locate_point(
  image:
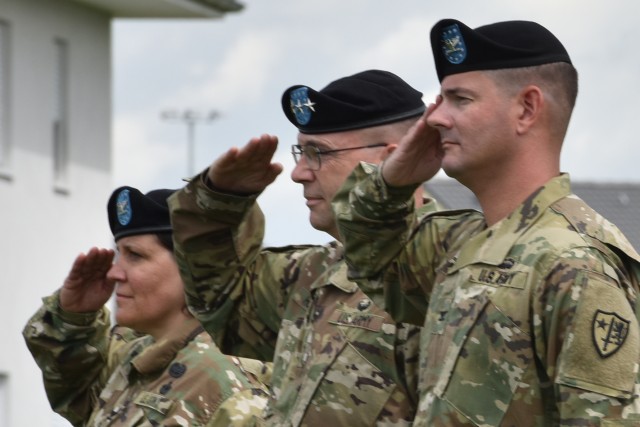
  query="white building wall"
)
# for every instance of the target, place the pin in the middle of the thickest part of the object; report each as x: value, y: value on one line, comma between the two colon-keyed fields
x: 42, y: 229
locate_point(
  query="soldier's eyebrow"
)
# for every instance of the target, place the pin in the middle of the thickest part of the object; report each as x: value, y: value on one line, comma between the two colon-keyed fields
x: 316, y: 143
x: 457, y: 91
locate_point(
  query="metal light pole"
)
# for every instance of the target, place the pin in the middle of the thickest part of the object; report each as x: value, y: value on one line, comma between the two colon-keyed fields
x: 190, y: 118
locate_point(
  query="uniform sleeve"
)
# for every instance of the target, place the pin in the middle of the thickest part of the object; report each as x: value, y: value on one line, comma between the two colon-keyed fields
x: 384, y: 237
x: 374, y: 220
x: 587, y: 337
x: 234, y: 288
x: 72, y: 352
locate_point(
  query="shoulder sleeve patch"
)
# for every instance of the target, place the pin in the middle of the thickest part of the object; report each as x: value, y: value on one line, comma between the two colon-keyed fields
x: 603, y: 349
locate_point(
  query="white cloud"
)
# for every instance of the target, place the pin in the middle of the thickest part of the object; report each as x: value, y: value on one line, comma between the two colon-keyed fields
x: 241, y: 65
x: 242, y: 75
x: 142, y: 161
x: 404, y: 51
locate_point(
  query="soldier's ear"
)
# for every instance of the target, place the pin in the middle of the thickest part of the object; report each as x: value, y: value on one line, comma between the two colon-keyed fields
x: 530, y: 103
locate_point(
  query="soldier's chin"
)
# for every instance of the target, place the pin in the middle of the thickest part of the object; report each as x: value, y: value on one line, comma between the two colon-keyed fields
x: 320, y: 223
x: 122, y: 319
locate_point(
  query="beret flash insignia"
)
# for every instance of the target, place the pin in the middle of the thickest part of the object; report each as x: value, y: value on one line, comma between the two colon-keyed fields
x: 453, y: 45
x: 301, y: 105
x: 123, y: 207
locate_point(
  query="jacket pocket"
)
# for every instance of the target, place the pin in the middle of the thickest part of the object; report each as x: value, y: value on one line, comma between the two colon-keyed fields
x: 476, y: 362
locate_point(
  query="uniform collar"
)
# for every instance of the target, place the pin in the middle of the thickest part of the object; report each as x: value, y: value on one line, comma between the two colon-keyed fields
x: 492, y: 245
x: 336, y: 273
x: 158, y: 355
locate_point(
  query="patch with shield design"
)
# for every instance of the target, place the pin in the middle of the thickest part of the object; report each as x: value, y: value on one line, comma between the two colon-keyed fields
x: 609, y: 332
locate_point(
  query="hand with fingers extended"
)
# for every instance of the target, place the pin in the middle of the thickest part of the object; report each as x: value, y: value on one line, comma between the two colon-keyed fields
x: 418, y: 156
x: 246, y: 170
x: 87, y: 288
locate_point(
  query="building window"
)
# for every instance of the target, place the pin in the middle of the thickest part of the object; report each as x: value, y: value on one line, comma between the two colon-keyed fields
x: 60, y: 115
x: 5, y: 146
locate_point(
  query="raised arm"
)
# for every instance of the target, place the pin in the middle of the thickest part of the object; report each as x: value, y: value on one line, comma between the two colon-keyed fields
x: 69, y: 336
x: 418, y: 155
x: 232, y: 286
x: 374, y: 207
x: 247, y: 170
x: 86, y: 288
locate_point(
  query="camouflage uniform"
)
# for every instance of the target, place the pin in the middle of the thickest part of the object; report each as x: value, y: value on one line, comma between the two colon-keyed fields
x: 97, y: 377
x: 530, y: 322
x: 339, y: 358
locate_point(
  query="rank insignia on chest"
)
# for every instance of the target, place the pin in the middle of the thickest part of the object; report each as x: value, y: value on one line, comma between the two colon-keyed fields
x: 609, y: 332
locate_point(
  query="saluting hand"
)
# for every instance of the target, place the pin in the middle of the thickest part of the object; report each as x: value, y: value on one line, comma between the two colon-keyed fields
x: 418, y: 156
x: 86, y: 288
x: 247, y: 170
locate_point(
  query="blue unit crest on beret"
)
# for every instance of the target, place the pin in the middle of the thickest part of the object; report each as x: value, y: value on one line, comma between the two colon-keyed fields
x: 301, y: 105
x: 453, y: 45
x: 123, y: 207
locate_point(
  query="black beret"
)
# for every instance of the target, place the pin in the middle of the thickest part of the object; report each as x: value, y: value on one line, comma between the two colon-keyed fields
x: 509, y: 44
x: 367, y: 99
x: 131, y: 212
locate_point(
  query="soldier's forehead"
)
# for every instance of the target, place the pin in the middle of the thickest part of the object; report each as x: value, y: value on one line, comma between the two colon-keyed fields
x: 320, y: 140
x: 336, y: 139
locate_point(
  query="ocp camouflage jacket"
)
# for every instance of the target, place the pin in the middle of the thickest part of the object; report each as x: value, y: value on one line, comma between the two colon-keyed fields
x: 338, y: 357
x: 530, y: 322
x: 95, y: 376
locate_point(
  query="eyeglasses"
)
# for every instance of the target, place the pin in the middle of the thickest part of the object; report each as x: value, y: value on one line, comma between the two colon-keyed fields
x: 313, y: 154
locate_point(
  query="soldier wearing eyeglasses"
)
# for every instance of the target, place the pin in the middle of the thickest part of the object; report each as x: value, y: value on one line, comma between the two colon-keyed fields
x: 339, y: 358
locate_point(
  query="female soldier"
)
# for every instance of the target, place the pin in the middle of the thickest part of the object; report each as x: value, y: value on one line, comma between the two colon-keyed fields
x: 157, y: 366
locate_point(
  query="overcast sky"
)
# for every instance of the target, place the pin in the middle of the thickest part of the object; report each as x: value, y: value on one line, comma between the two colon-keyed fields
x: 241, y: 64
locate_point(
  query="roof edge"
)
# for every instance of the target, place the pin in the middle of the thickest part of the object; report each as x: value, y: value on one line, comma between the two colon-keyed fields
x: 164, y: 8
